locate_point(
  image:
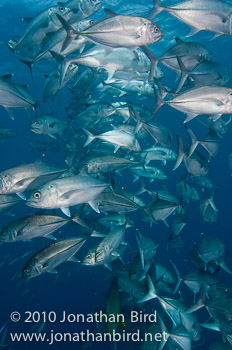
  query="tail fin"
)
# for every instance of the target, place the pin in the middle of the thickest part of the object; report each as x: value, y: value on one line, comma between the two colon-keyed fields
x: 194, y: 140
x: 159, y: 101
x: 153, y: 59
x: 71, y: 33
x: 151, y: 291
x: 181, y: 153
x: 179, y: 279
x: 90, y: 136
x: 156, y: 9
x: 184, y: 74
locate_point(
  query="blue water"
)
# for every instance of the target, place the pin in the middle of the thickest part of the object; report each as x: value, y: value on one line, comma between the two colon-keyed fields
x: 78, y: 289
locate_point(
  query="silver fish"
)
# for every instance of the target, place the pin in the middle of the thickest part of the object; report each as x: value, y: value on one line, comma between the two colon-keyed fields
x: 66, y: 192
x: 14, y: 96
x: 52, y: 256
x: 117, y: 138
x: 121, y: 31
x: 26, y: 177
x: 48, y: 125
x: 212, y: 15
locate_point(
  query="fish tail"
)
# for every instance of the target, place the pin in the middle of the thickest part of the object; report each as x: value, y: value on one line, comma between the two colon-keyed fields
x: 194, y: 141
x: 158, y: 7
x: 71, y: 33
x: 154, y: 61
x: 159, y: 100
x: 184, y: 74
x: 180, y: 154
x: 151, y: 291
x: 90, y: 136
x: 179, y: 279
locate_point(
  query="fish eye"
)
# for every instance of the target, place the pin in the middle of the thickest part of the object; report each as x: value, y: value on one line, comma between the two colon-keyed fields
x: 71, y: 66
x: 36, y: 122
x: 156, y: 29
x: 91, y: 22
x: 26, y: 271
x: 37, y: 195
x: 61, y: 9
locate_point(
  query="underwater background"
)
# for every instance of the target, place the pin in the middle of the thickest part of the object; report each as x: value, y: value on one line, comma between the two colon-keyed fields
x: 83, y: 289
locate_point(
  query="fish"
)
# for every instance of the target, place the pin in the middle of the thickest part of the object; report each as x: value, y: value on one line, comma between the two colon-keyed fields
x: 27, y: 176
x: 8, y: 201
x: 210, y: 100
x: 208, y: 209
x: 211, y: 15
x: 186, y: 191
x: 119, y: 31
x: 67, y: 192
x: 117, y: 138
x: 119, y: 59
x: 81, y: 9
x: 94, y: 163
x: 34, y: 226
x: 117, y: 202
x: 48, y: 125
x: 6, y: 133
x: 14, y: 96
x: 191, y: 54
x: 47, y: 259
x: 213, y: 249
x: 196, y: 164
x: 151, y: 172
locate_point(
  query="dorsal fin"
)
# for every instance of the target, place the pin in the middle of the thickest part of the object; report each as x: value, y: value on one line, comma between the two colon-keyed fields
x: 27, y: 19
x: 7, y: 76
x: 109, y: 13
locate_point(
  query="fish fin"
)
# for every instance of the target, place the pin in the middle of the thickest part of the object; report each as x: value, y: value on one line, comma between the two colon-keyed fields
x: 59, y: 58
x: 66, y: 211
x: 98, y: 234
x: 199, y: 304
x: 184, y: 74
x: 50, y: 236
x: 179, y: 279
x: 216, y: 117
x: 53, y: 136
x: 194, y: 141
x: 108, y: 267
x: 115, y: 254
x: 116, y: 148
x: 75, y: 260
x: 27, y: 19
x: 181, y: 153
x: 156, y: 9
x: 7, y: 76
x: 153, y: 59
x: 109, y: 13
x: 151, y: 291
x: 90, y: 136
x: 29, y: 65
x: 10, y: 112
x: 159, y: 101
x: 71, y: 33
x: 192, y: 32
x: 190, y: 116
x: 22, y: 196
x: 178, y: 40
x: 110, y: 72
x: 222, y: 264
x: 94, y: 205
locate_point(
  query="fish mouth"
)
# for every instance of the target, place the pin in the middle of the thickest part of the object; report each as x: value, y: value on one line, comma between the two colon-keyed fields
x: 32, y: 203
